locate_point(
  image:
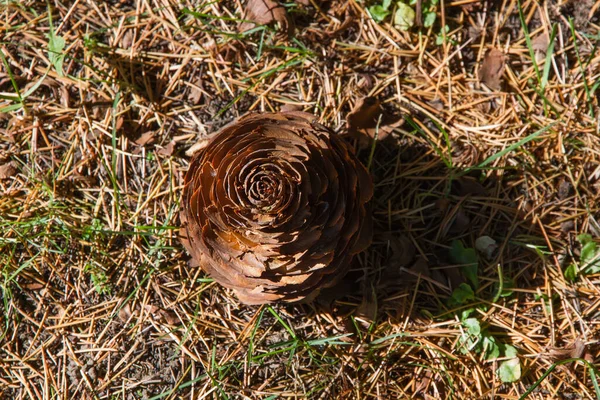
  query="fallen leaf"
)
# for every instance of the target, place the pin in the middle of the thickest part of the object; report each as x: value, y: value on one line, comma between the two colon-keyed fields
x: 471, y: 7
x: 403, y: 250
x: 567, y: 226
x: 402, y: 254
x: 33, y: 286
x: 119, y: 123
x: 168, y: 149
x: 366, y: 82
x: 461, y: 222
x: 196, y: 91
x: 290, y: 107
x: 573, y: 350
x: 492, y: 69
x: 578, y: 348
x: 486, y: 246
x: 87, y: 180
x: 146, y: 138
x: 348, y: 21
x: 436, y: 104
x: 263, y: 12
x: 365, y: 114
x: 540, y: 46
x: 154, y: 312
x: 127, y: 39
x: 161, y: 315
x: 421, y: 267
x: 474, y: 32
x: 442, y: 205
x: 423, y: 383
x: 466, y: 186
x: 8, y: 170
x: 125, y: 313
x: 564, y: 189
x: 367, y: 118
x: 64, y: 97
x: 589, y: 357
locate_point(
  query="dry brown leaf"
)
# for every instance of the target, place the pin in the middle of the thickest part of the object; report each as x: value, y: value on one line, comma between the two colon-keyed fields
x: 366, y: 82
x: 492, y: 69
x: 119, y: 123
x: 461, y: 221
x: 403, y: 250
x: 540, y: 46
x: 442, y: 205
x: 589, y: 357
x: 421, y: 267
x: 290, y: 107
x: 146, y: 138
x: 473, y: 6
x: 402, y: 254
x: 196, y: 91
x: 368, y: 119
x: 161, y: 315
x: 567, y: 226
x: 33, y: 286
x: 263, y: 12
x: 365, y: 114
x: 332, y: 33
x: 423, y: 383
x: 154, y: 312
x: 127, y: 39
x: 8, y: 170
x: 467, y: 186
x: 564, y: 189
x: 125, y: 313
x: 573, y: 350
x: 540, y: 43
x: 169, y: 317
x: 168, y: 149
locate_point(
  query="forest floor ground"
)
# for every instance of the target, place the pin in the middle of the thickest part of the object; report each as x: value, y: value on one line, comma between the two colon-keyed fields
x: 482, y: 280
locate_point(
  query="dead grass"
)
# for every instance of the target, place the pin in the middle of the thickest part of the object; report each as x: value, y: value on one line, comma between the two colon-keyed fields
x: 97, y: 298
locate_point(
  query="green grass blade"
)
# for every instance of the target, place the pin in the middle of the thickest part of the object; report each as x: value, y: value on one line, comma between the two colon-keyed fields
x: 11, y: 108
x: 592, y: 371
x: 13, y: 81
x: 548, y: 61
x: 512, y: 147
x: 36, y: 86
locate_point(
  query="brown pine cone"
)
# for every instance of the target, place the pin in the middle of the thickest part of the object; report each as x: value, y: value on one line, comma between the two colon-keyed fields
x: 275, y: 207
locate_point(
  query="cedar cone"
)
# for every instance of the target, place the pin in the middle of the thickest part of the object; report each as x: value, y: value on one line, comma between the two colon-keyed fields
x: 275, y: 207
